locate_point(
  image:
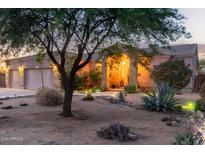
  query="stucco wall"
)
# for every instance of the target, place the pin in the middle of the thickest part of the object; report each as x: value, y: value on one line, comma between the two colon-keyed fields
x: 28, y: 62
x: 144, y: 77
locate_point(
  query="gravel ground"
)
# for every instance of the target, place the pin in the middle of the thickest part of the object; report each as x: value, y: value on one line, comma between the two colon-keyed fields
x: 35, y: 124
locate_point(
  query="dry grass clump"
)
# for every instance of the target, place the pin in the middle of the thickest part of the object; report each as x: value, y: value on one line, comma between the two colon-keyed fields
x: 49, y: 97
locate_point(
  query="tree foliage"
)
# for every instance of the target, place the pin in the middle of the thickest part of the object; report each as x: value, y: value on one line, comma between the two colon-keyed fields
x: 56, y: 31
x: 174, y: 71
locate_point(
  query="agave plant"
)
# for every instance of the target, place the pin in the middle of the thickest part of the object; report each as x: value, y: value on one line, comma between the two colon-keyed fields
x: 160, y: 98
x: 188, y: 139
x: 185, y: 139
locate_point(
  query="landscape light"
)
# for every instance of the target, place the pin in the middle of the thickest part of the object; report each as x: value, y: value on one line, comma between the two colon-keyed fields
x: 190, y: 106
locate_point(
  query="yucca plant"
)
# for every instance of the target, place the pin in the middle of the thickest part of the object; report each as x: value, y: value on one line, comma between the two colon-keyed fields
x: 160, y: 98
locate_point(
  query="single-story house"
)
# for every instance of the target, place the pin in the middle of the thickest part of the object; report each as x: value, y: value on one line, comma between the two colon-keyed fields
x: 25, y: 72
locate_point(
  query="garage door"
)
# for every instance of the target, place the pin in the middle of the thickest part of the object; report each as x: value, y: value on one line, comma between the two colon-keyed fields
x: 14, y: 79
x: 33, y: 79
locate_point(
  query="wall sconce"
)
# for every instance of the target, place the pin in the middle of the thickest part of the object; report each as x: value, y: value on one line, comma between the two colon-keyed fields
x: 21, y: 68
x: 6, y: 68
x: 55, y: 68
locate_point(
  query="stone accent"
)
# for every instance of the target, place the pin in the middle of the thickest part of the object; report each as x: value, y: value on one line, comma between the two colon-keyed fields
x: 104, y: 73
x: 21, y: 77
x: 133, y: 71
x: 7, y: 77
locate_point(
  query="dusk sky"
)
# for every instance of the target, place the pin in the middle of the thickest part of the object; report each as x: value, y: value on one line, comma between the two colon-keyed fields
x: 195, y: 24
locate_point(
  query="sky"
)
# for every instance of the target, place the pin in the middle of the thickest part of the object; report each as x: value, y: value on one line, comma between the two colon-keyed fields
x: 195, y: 24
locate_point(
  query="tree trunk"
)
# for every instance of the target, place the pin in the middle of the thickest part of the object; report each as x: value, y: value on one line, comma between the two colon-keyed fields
x: 68, y: 89
x: 67, y: 105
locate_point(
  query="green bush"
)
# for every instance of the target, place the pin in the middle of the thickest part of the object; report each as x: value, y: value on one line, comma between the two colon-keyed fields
x: 49, y: 97
x: 103, y: 89
x: 174, y: 71
x: 92, y: 80
x: 80, y: 82
x: 200, y: 104
x: 130, y: 89
x: 95, y: 89
x: 187, y: 139
x: 202, y: 91
x: 160, y: 98
x: 95, y: 78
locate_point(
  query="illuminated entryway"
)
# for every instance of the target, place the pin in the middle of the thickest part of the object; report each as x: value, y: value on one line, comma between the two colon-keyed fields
x: 118, y: 71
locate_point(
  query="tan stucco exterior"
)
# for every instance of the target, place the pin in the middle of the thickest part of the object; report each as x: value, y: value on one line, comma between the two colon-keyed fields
x: 134, y: 74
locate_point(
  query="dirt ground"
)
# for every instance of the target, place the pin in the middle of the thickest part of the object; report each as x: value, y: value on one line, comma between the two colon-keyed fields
x: 35, y: 124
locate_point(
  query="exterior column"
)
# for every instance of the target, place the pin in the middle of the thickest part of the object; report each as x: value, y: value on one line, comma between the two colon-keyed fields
x: 104, y: 73
x: 133, y: 72
x: 21, y: 76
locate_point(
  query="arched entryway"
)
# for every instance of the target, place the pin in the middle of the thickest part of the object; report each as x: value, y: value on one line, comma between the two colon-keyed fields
x: 124, y: 65
x: 118, y: 67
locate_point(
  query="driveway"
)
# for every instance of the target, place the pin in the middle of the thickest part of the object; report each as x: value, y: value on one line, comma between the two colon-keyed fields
x: 13, y: 93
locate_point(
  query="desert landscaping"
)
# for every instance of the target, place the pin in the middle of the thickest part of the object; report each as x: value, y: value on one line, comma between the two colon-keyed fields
x: 100, y: 76
x: 35, y: 124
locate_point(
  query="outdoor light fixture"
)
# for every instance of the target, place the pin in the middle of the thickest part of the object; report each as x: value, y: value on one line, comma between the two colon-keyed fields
x: 55, y: 68
x: 6, y: 68
x: 190, y: 106
x: 98, y: 65
x: 21, y: 68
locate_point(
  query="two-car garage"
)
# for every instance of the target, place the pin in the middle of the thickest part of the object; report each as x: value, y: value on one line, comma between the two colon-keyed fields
x: 32, y: 78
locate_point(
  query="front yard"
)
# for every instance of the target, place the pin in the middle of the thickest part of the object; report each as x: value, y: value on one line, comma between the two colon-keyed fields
x: 35, y: 124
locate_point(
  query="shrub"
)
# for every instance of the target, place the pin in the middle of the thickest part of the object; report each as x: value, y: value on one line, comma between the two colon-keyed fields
x: 95, y: 78
x: 201, y: 104
x: 80, y: 82
x: 95, y: 89
x: 88, y: 97
x: 49, y: 97
x: 202, y: 91
x: 173, y: 71
x: 130, y: 89
x: 116, y: 131
x: 161, y: 98
x: 103, y: 89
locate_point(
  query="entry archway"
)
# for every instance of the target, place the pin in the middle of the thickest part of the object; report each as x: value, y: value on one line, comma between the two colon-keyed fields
x: 118, y: 71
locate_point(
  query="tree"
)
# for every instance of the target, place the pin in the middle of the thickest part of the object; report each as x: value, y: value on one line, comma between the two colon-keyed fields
x: 174, y: 71
x: 39, y: 59
x: 86, y: 30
